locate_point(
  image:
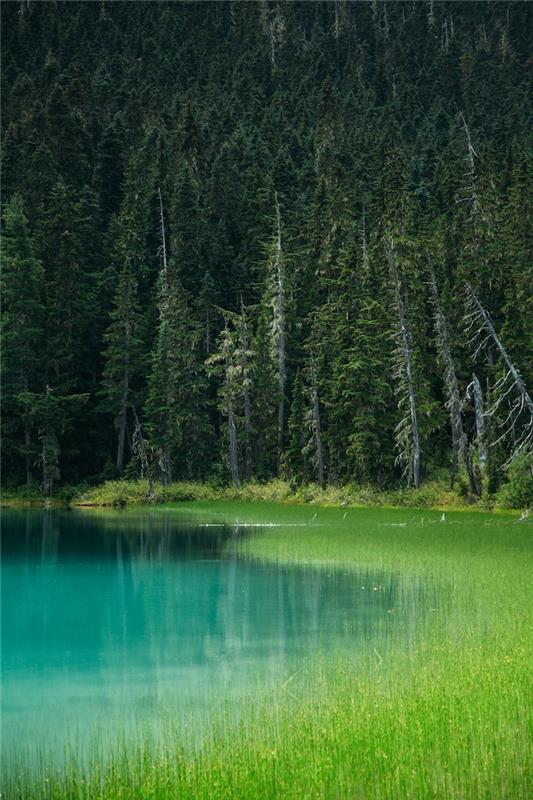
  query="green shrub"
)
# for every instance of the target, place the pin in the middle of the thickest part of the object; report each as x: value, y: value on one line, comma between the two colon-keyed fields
x: 517, y: 492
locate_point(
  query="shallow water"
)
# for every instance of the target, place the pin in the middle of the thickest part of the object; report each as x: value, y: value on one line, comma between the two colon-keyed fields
x: 115, y: 620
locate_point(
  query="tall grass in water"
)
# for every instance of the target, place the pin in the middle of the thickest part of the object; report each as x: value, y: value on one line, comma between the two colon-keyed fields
x: 447, y: 717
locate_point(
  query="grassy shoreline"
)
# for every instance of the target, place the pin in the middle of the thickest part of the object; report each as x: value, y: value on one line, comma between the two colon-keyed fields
x: 434, y: 494
x: 448, y: 719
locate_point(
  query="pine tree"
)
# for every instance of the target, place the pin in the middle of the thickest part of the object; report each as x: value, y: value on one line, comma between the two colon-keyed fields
x: 417, y: 113
x: 407, y: 430
x: 52, y: 415
x: 223, y: 362
x: 122, y: 355
x: 276, y: 297
x: 297, y: 464
x: 264, y: 399
x: 22, y: 326
x: 66, y: 242
x: 174, y: 380
x: 231, y: 363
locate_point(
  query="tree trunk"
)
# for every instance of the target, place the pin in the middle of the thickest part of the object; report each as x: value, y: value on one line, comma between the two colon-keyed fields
x: 121, y: 424
x: 122, y: 420
x: 480, y: 422
x: 517, y: 378
x: 479, y: 322
x: 27, y: 447
x: 166, y: 466
x: 316, y: 424
x: 406, y: 352
x: 139, y: 447
x: 246, y: 393
x: 471, y: 153
x: 280, y: 335
x: 232, y: 435
x: 460, y: 448
x: 248, y: 431
x: 414, y: 419
x: 123, y: 413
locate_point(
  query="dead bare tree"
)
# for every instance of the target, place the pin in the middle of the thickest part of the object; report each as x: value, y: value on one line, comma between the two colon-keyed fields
x: 223, y: 362
x: 460, y: 446
x: 163, y: 245
x: 510, y: 391
x: 315, y: 422
x: 364, y: 243
x: 232, y: 428
x: 231, y: 362
x: 121, y: 421
x: 447, y: 33
x: 475, y: 392
x: 407, y: 433
x: 471, y: 173
x: 279, y: 328
x: 336, y: 25
x: 165, y: 461
x: 246, y: 387
x: 273, y: 25
x: 140, y: 449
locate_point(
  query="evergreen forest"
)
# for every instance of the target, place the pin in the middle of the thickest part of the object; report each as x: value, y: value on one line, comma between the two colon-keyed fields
x: 246, y: 240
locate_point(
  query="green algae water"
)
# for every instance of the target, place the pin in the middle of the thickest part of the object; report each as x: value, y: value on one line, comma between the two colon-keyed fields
x: 116, y: 622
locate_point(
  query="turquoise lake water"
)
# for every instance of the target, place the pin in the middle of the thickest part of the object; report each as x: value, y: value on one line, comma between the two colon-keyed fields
x: 114, y: 621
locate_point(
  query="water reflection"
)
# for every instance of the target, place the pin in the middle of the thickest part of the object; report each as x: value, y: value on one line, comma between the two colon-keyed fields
x: 113, y: 618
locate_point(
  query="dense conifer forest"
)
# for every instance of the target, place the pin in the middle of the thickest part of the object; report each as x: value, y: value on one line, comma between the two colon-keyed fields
x: 258, y: 239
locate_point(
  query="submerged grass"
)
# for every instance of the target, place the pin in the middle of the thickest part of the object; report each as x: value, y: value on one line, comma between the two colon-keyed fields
x: 447, y: 717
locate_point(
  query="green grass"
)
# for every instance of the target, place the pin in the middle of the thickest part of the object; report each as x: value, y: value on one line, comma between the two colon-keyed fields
x: 434, y: 493
x: 448, y: 717
x: 116, y: 493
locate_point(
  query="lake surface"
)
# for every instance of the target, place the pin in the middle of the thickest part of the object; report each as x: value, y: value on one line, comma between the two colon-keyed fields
x: 114, y: 620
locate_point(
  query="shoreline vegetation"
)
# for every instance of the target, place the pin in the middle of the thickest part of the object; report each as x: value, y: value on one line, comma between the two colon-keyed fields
x: 448, y: 717
x: 434, y: 494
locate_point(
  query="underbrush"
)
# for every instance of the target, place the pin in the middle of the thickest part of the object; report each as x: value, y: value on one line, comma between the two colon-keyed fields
x: 121, y: 493
x: 516, y: 492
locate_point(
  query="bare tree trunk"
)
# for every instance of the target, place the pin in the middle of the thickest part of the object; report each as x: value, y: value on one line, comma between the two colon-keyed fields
x: 517, y: 378
x: 139, y: 447
x: 460, y: 448
x: 471, y: 154
x: 246, y: 394
x: 232, y: 435
x: 364, y: 245
x: 511, y: 383
x: 248, y: 431
x: 431, y: 14
x: 165, y: 463
x: 122, y: 423
x: 316, y: 423
x: 27, y: 438
x: 207, y: 332
x: 27, y: 446
x: 163, y: 246
x: 480, y: 422
x: 232, y: 428
x: 280, y: 332
x: 407, y: 434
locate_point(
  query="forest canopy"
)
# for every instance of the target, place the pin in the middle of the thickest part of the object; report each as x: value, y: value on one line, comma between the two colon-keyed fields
x: 266, y: 239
